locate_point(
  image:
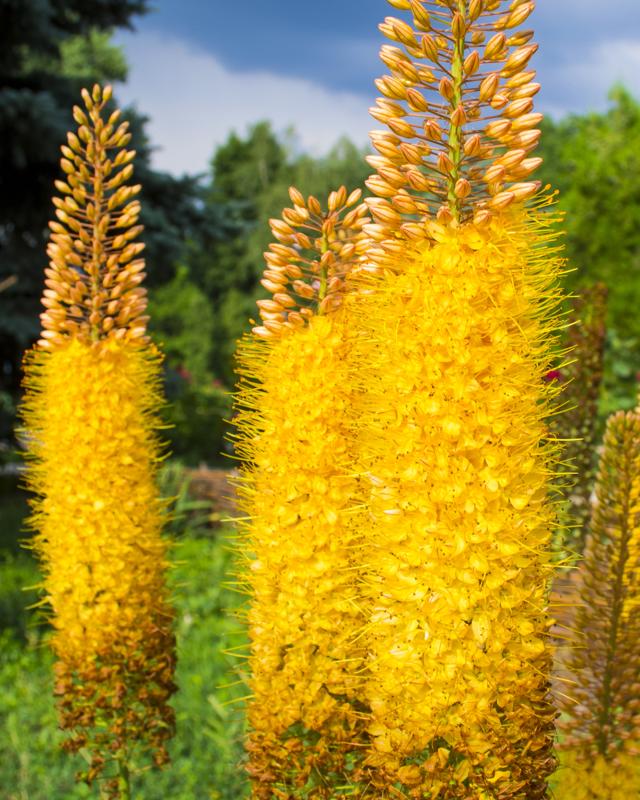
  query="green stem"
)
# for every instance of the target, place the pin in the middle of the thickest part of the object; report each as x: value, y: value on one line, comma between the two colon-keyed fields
x: 324, y: 274
x: 455, y: 133
x: 124, y: 777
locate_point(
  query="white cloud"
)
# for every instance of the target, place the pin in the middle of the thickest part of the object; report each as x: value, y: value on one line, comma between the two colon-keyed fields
x: 613, y: 60
x: 193, y: 102
x: 584, y: 82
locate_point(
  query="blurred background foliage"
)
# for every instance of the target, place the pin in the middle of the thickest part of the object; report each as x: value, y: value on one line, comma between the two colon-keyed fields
x: 594, y: 162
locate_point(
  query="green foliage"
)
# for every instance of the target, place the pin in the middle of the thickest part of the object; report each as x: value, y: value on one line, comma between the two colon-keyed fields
x: 93, y: 53
x: 39, y: 26
x: 13, y: 510
x: 622, y: 359
x: 89, y: 55
x: 183, y: 323
x: 594, y: 160
x: 207, y: 751
x: 244, y: 169
x: 198, y: 415
x: 17, y: 593
x: 184, y: 514
x: 7, y: 416
x: 234, y: 314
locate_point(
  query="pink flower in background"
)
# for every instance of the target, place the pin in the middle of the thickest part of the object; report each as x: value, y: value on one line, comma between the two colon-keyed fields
x: 184, y: 373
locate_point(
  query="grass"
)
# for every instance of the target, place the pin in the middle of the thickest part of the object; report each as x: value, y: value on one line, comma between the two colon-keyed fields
x: 207, y: 750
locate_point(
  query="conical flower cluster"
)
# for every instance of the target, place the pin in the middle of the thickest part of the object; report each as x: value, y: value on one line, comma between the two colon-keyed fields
x: 445, y: 525
x: 297, y: 492
x: 600, y: 741
x: 90, y: 420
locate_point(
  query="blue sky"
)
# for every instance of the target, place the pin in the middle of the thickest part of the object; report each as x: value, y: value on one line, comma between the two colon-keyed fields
x: 201, y: 68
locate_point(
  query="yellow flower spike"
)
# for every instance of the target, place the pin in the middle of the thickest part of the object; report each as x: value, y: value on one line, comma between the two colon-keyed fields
x: 599, y: 686
x: 297, y: 492
x: 450, y: 426
x: 453, y: 323
x: 92, y: 393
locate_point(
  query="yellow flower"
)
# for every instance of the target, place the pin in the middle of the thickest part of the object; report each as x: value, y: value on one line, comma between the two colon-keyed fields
x: 451, y: 347
x: 453, y: 327
x: 92, y: 394
x: 297, y: 491
x: 88, y: 413
x: 449, y: 325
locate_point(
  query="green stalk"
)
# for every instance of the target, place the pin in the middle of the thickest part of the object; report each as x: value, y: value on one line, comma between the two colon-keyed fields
x: 324, y: 275
x: 124, y: 777
x: 455, y: 133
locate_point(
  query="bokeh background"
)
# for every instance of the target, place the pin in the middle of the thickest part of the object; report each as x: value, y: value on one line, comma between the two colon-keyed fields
x: 230, y: 103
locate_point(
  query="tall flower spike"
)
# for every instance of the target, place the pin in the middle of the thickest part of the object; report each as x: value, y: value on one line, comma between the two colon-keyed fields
x: 458, y: 103
x: 600, y: 690
x: 92, y: 393
x: 296, y: 489
x: 455, y: 321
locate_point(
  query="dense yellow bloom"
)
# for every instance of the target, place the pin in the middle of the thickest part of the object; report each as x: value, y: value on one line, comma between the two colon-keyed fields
x: 303, y: 613
x: 449, y: 328
x: 90, y: 420
x: 88, y: 414
x: 600, y: 672
x: 452, y: 348
x: 89, y: 417
x: 453, y: 330
x: 297, y: 489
